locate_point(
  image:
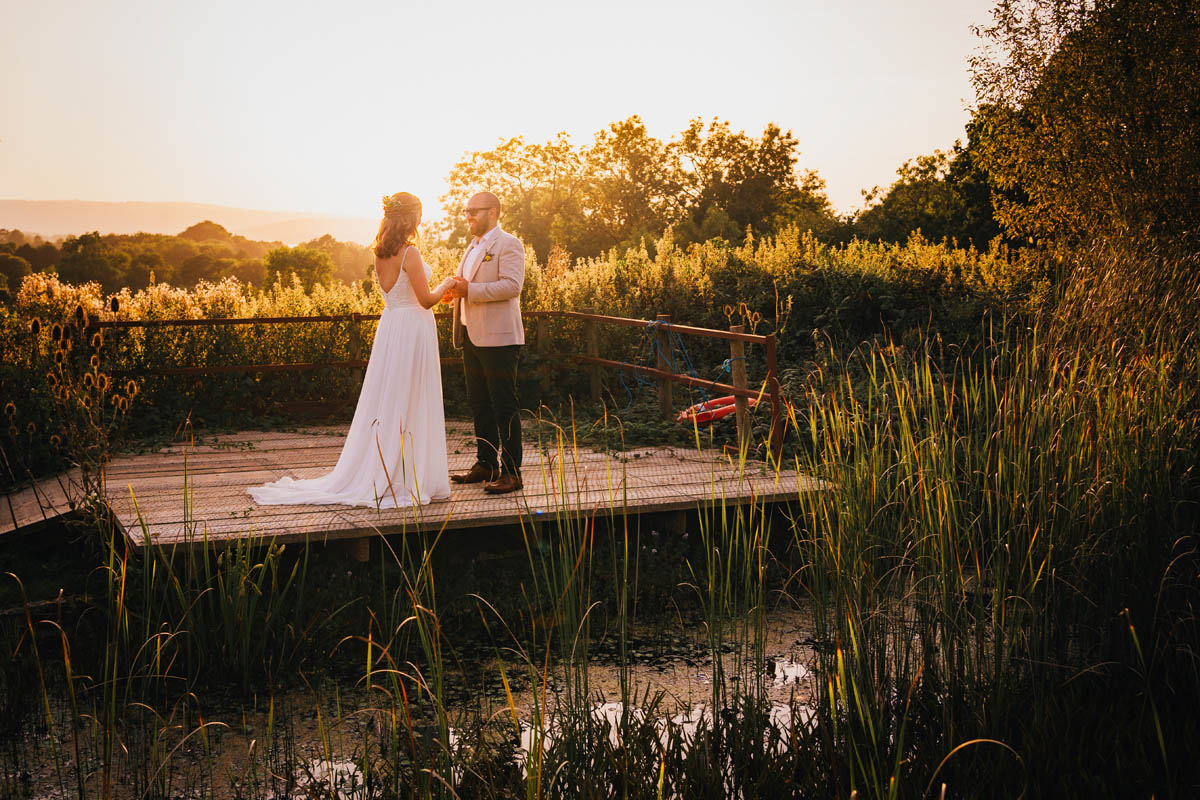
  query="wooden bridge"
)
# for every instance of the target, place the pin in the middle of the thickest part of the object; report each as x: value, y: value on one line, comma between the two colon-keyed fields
x: 195, y: 492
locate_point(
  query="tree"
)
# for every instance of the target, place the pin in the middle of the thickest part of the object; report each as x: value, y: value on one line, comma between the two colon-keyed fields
x: 628, y: 187
x: 200, y: 267
x: 311, y: 266
x: 1089, y: 113
x: 14, y: 269
x: 207, y: 231
x: 144, y: 265
x: 88, y: 258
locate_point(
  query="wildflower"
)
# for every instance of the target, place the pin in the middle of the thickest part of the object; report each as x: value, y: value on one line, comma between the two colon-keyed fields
x: 35, y: 327
x: 10, y: 409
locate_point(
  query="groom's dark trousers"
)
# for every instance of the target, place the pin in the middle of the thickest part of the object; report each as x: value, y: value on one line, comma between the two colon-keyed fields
x: 491, y: 375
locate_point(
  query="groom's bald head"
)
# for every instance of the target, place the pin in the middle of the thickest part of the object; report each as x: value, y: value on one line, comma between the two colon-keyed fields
x: 485, y: 200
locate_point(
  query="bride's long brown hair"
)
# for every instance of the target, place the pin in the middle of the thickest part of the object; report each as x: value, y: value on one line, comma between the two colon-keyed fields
x: 401, y: 215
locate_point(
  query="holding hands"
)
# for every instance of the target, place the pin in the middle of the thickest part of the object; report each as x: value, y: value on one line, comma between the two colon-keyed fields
x: 455, y: 288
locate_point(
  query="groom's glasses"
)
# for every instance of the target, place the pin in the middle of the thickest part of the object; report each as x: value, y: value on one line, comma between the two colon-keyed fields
x: 474, y: 212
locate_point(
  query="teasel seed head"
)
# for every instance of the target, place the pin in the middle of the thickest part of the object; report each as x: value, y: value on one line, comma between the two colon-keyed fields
x: 35, y: 326
x: 114, y: 305
x: 131, y: 388
x: 88, y: 380
x: 10, y: 409
x: 94, y: 361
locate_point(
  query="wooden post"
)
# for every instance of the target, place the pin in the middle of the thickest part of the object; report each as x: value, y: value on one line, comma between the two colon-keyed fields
x: 777, y: 410
x: 664, y: 364
x: 737, y: 372
x: 593, y: 350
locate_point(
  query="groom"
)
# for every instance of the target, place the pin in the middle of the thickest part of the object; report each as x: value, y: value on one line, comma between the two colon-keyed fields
x: 487, y: 326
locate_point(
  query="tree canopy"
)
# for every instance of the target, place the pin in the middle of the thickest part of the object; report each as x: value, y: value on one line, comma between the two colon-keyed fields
x: 628, y: 186
x: 1088, y: 114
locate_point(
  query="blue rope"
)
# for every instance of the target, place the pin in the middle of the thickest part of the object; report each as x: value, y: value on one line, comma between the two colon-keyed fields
x: 651, y: 352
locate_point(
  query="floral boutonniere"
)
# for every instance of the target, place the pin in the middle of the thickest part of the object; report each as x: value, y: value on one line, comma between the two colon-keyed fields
x: 487, y: 256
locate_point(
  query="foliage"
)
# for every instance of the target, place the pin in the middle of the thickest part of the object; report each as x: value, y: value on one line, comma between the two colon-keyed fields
x: 1088, y: 113
x: 310, y: 266
x: 627, y: 187
x: 942, y: 196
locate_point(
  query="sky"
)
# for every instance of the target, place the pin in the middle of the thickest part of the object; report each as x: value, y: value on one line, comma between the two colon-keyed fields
x: 326, y: 106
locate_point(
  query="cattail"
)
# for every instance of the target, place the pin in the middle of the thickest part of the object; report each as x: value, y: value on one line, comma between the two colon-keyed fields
x: 35, y: 326
x: 114, y: 304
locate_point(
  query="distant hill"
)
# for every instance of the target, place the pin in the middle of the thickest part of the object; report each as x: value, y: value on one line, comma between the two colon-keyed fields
x: 54, y: 218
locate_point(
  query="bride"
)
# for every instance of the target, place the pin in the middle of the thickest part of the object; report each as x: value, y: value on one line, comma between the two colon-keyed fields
x: 395, y: 452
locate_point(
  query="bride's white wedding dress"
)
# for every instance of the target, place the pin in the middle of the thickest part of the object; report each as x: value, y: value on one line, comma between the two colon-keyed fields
x: 395, y: 452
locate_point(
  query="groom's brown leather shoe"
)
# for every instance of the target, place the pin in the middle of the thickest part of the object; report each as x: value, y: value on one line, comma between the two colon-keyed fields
x: 504, y: 484
x: 478, y: 473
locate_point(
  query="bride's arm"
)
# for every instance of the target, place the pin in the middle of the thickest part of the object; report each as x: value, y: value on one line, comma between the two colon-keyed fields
x: 414, y: 267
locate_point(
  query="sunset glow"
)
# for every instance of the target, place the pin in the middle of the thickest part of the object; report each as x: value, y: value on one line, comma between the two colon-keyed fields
x: 315, y: 107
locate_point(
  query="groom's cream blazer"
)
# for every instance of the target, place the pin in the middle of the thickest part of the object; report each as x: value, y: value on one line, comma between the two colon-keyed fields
x: 491, y: 312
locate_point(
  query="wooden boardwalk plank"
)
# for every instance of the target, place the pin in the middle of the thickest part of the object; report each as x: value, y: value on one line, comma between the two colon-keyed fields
x: 146, y: 491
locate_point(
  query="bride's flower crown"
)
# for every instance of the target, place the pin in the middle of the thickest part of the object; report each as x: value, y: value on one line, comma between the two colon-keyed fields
x: 400, y: 204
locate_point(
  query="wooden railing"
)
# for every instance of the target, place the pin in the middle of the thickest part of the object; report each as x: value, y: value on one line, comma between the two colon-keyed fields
x: 663, y: 374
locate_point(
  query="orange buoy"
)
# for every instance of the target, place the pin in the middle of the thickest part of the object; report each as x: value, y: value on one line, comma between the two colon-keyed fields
x: 710, y: 411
